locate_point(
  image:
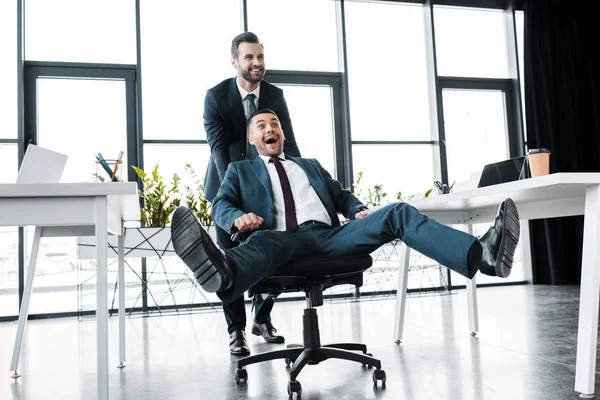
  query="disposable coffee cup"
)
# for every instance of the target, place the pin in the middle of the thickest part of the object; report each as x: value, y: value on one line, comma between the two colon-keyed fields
x: 539, y: 162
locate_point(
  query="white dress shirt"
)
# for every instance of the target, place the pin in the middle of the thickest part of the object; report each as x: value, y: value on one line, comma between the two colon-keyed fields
x: 308, y: 205
x: 244, y: 93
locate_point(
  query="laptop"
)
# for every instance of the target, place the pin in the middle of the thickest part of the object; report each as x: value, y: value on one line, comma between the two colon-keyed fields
x: 504, y: 171
x: 41, y: 165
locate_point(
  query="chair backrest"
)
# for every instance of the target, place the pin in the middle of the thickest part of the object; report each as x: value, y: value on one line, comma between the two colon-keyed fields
x: 41, y: 165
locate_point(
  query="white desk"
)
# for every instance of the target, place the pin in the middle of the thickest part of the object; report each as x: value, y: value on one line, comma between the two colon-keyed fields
x: 556, y: 195
x: 74, y: 209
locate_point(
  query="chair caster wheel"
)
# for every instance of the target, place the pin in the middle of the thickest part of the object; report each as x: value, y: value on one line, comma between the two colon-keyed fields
x: 241, y: 375
x: 379, y: 375
x: 369, y: 366
x: 294, y: 387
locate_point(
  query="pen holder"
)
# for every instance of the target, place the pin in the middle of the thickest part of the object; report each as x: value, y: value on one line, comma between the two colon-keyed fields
x: 115, y: 167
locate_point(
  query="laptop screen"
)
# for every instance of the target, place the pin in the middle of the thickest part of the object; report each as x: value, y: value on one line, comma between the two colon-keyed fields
x: 503, y: 171
x: 41, y: 165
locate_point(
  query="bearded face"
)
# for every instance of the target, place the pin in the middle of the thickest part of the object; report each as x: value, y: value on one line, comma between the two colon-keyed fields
x: 250, y: 64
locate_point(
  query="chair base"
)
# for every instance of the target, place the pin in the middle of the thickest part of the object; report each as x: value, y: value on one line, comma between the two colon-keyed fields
x: 312, y: 353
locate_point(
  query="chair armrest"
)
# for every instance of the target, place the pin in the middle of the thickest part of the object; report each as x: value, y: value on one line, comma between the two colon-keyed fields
x: 238, y: 237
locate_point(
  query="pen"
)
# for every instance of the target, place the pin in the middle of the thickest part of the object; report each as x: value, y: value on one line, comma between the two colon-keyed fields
x: 102, y: 162
x: 112, y: 178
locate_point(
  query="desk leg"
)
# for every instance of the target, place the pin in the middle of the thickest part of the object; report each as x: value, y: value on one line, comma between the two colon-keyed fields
x: 121, y: 240
x: 587, y: 332
x: 24, y: 312
x: 472, y: 299
x: 101, y: 298
x: 401, y: 292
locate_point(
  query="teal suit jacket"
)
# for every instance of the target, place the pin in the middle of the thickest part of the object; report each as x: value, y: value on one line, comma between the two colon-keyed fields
x: 246, y: 188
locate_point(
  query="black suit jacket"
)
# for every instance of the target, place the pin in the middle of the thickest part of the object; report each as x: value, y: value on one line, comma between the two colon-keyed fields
x: 225, y: 126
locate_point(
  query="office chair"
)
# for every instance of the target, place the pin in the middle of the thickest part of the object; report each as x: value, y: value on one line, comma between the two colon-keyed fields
x: 312, y: 275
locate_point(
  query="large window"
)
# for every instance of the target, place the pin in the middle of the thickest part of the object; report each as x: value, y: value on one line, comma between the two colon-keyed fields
x: 78, y: 112
x: 9, y: 254
x: 98, y: 31
x: 478, y: 120
x: 475, y: 125
x: 470, y: 42
x: 389, y: 104
x: 197, y: 34
x: 297, y: 35
x: 394, y: 139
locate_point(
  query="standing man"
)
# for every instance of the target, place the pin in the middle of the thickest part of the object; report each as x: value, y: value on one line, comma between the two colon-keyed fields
x: 227, y: 107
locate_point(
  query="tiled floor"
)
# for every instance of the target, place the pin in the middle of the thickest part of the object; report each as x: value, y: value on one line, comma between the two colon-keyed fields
x: 525, y: 350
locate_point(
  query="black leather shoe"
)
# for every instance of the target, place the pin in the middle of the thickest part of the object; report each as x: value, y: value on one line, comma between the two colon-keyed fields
x: 198, y: 251
x: 268, y: 332
x: 500, y: 241
x: 237, y: 343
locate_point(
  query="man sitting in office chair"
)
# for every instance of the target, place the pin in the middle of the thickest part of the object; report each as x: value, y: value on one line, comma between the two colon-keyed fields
x: 292, y: 205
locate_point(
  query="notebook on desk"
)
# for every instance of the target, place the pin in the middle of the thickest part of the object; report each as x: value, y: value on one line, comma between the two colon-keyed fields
x: 41, y: 165
x: 504, y: 171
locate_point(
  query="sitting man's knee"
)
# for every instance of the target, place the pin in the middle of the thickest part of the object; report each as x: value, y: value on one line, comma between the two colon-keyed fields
x: 400, y: 206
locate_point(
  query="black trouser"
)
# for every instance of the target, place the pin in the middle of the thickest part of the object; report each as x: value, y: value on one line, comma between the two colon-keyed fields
x: 235, y: 311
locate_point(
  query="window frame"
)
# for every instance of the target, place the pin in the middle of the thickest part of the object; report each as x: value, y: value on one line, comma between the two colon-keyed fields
x: 334, y: 81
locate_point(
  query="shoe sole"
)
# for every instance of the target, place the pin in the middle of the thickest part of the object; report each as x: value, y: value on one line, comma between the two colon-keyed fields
x: 510, y: 238
x: 189, y: 241
x: 258, y: 333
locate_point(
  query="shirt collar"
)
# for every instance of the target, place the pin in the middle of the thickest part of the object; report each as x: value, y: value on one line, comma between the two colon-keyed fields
x: 244, y: 92
x: 267, y: 158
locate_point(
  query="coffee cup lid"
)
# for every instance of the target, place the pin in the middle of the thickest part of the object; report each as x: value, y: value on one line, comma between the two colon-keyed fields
x: 535, y: 151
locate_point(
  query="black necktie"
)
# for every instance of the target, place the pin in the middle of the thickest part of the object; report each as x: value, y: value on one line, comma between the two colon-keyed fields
x: 250, y: 150
x: 251, y: 106
x: 291, y: 224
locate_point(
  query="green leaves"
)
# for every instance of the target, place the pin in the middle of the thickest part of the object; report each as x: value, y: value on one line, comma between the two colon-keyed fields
x: 375, y: 195
x: 195, y: 198
x: 161, y: 200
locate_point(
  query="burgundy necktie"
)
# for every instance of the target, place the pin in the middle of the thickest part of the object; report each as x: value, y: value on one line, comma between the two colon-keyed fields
x: 291, y: 224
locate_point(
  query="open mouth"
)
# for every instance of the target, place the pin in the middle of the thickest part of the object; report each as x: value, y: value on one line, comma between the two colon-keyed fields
x: 271, y: 140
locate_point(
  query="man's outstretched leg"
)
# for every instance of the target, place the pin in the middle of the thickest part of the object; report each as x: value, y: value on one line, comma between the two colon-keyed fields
x: 492, y: 253
x: 233, y: 272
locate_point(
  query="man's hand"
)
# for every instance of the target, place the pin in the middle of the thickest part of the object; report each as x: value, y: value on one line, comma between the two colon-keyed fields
x: 363, y: 213
x: 248, y: 222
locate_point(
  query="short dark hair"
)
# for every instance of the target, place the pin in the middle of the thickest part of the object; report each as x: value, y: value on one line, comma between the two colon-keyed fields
x: 261, y: 111
x: 244, y: 37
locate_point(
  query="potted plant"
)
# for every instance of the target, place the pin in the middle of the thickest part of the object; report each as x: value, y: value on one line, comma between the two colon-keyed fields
x: 160, y: 200
x: 159, y: 203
